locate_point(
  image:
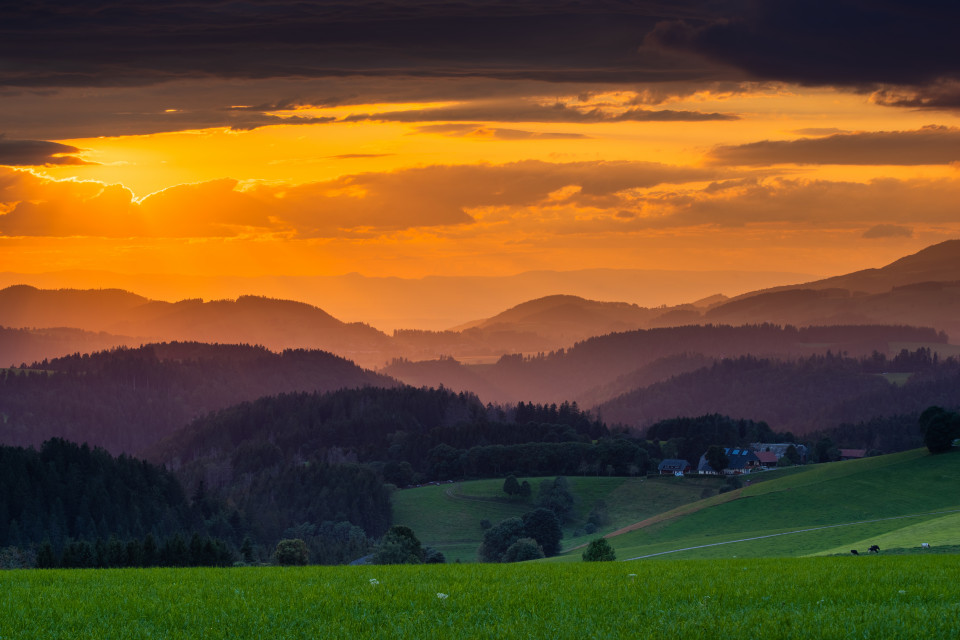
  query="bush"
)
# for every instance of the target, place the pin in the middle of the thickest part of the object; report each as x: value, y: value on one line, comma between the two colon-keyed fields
x: 399, y: 546
x: 599, y: 551
x: 433, y: 556
x: 291, y: 552
x: 523, y: 549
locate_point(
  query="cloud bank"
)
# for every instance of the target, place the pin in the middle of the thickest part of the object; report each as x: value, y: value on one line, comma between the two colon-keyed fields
x: 929, y: 145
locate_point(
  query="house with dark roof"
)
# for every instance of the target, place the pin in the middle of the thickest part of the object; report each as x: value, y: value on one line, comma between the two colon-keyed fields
x: 673, y: 466
x: 742, y: 460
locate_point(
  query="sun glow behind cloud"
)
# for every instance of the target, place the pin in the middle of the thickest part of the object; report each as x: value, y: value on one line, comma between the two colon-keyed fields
x: 420, y: 153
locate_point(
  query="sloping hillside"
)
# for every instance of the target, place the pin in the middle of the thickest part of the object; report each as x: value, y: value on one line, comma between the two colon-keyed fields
x: 820, y: 509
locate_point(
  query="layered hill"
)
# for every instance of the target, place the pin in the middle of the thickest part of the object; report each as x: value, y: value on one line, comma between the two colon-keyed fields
x: 921, y: 289
x: 21, y: 346
x: 600, y: 368
x: 276, y: 324
x: 126, y: 399
x: 801, y: 396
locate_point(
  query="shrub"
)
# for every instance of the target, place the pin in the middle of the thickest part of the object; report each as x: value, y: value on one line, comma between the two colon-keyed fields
x: 291, y: 552
x: 599, y: 551
x: 399, y: 546
x: 523, y: 549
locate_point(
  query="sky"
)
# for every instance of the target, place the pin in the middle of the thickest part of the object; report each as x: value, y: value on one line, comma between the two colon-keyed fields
x: 183, y: 138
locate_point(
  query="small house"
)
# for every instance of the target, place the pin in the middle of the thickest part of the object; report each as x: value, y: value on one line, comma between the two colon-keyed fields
x: 673, y: 466
x: 767, y: 458
x: 741, y: 461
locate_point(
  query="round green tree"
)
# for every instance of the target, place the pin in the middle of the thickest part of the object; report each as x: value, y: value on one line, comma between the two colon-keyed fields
x: 599, y: 550
x: 399, y: 546
x: 523, y: 549
x: 543, y: 526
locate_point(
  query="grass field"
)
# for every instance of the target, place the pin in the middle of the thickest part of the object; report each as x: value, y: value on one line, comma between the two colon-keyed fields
x: 897, y: 500
x: 866, y: 597
x: 842, y: 506
x: 448, y: 516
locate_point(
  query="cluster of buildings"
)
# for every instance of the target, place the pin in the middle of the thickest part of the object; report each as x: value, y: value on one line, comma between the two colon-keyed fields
x: 759, y: 456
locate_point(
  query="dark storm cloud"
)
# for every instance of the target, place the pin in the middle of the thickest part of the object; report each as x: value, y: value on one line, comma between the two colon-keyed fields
x: 828, y: 42
x: 929, y: 145
x: 526, y: 112
x: 24, y: 153
x: 939, y: 95
x: 108, y: 43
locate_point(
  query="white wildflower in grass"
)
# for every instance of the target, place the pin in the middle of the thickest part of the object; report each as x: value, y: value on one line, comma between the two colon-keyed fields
x: 374, y: 581
x: 632, y: 576
x: 442, y: 596
x: 902, y: 592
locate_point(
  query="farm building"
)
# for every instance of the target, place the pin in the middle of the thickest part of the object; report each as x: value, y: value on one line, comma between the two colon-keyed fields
x: 767, y: 458
x: 780, y: 448
x: 741, y: 461
x: 673, y: 466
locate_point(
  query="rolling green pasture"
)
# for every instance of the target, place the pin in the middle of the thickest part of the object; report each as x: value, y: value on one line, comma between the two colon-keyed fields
x: 865, y: 597
x: 447, y: 516
x: 899, y: 500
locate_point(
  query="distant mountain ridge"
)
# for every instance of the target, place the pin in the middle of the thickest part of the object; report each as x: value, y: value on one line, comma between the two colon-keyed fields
x: 922, y: 289
x: 275, y: 324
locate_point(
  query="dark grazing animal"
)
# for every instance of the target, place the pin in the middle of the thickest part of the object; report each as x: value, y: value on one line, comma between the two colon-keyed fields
x: 874, y: 549
x: 854, y: 552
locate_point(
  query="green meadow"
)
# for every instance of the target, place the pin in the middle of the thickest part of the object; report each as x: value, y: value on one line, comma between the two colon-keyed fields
x: 447, y: 516
x: 869, y: 597
x: 895, y: 501
x: 899, y: 500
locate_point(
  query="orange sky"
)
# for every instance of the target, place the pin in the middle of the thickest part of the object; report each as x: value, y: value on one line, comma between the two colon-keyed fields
x: 482, y: 177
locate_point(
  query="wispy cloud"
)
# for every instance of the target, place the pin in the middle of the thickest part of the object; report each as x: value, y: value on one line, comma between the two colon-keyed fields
x: 929, y: 145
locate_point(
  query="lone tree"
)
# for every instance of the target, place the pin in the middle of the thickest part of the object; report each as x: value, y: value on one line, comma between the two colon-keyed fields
x: 599, y: 551
x: 291, y: 552
x: 510, y: 486
x: 399, y: 546
x: 717, y: 458
x: 543, y: 526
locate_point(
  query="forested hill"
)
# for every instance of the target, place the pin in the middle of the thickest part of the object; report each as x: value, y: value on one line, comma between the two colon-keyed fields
x: 29, y: 345
x: 580, y: 372
x: 126, y: 399
x: 810, y: 394
x: 65, y: 491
